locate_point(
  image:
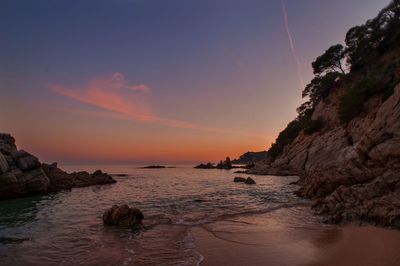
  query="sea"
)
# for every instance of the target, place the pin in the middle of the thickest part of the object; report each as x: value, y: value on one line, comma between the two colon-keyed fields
x: 66, y: 228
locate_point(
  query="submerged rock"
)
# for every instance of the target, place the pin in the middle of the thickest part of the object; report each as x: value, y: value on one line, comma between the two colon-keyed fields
x: 250, y: 181
x: 123, y: 216
x: 12, y: 240
x: 239, y: 179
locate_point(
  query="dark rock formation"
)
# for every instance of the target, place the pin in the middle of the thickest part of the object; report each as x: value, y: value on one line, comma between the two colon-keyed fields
x: 84, y: 179
x: 157, y: 167
x: 352, y: 172
x: 205, y: 166
x: 123, y: 216
x: 345, y: 142
x: 22, y: 174
x: 250, y: 181
x: 225, y: 164
x: 251, y: 157
x: 239, y: 179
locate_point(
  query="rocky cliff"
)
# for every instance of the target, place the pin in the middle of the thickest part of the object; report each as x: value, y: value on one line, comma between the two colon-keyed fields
x: 345, y: 143
x: 352, y: 172
x: 22, y: 174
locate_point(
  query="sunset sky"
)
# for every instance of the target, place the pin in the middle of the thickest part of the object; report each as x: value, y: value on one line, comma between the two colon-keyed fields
x: 160, y: 80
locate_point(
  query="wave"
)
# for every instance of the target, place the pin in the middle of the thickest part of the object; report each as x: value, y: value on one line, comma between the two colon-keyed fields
x: 222, y: 217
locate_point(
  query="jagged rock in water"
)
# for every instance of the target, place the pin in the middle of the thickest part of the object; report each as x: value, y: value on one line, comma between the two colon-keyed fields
x: 205, y: 166
x: 123, y: 216
x: 225, y: 164
x: 250, y: 181
x: 239, y: 179
x: 22, y: 174
x: 84, y: 179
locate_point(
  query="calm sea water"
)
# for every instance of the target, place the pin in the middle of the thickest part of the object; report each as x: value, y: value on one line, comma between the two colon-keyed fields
x: 66, y: 228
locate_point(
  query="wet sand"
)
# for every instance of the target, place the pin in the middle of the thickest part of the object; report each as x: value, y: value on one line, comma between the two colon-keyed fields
x: 266, y: 240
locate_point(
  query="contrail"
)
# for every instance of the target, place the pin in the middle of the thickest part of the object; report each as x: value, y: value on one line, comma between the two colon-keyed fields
x: 291, y: 44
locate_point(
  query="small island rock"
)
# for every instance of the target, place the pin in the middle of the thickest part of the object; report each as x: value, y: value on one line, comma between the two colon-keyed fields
x: 205, y: 166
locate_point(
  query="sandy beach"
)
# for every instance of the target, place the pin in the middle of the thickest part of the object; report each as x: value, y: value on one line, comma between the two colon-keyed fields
x: 266, y: 240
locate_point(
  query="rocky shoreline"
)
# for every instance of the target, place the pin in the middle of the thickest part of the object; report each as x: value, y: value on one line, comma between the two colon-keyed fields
x: 352, y: 173
x: 22, y: 174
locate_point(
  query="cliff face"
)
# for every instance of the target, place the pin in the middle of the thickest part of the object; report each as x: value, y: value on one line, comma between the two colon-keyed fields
x: 352, y: 172
x: 251, y: 157
x: 22, y: 174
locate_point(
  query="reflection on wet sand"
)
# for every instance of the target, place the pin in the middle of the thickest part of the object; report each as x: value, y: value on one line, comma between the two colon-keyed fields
x: 253, y: 240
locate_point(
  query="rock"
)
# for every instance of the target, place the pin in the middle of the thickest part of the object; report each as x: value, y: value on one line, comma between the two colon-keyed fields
x: 7, y: 144
x: 22, y: 174
x: 3, y: 164
x: 84, y: 179
x: 58, y: 178
x: 225, y: 164
x: 121, y: 175
x: 251, y: 157
x: 26, y: 161
x: 12, y: 240
x: 7, y: 178
x: 250, y: 181
x: 239, y: 179
x: 154, y: 167
x: 123, y: 216
x: 97, y: 172
x: 205, y: 166
x: 351, y: 172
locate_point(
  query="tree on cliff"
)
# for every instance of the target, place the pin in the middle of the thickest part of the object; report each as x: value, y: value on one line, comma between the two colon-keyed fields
x: 365, y: 45
x: 330, y: 61
x: 372, y: 39
x: 320, y: 87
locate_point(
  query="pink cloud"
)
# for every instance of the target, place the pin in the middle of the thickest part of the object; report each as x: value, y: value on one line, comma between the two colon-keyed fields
x: 120, y: 100
x: 112, y: 94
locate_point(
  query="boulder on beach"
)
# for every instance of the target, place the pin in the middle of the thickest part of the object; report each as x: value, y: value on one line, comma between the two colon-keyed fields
x: 239, y: 179
x: 123, y: 216
x: 250, y: 181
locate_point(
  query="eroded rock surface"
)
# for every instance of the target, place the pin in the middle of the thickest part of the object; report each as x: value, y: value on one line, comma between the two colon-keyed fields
x: 123, y: 216
x: 22, y: 174
x: 352, y: 172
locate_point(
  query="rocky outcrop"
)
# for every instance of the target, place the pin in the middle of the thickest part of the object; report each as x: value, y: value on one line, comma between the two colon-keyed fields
x: 60, y: 179
x: 123, y: 216
x: 22, y: 174
x: 352, y: 172
x: 225, y: 164
x: 205, y: 166
x: 250, y: 181
x: 239, y: 179
x: 251, y: 157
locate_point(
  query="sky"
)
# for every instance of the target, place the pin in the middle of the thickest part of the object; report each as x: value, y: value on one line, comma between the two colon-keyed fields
x: 151, y: 81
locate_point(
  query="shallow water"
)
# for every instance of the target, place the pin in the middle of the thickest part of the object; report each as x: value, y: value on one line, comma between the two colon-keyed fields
x: 66, y: 228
